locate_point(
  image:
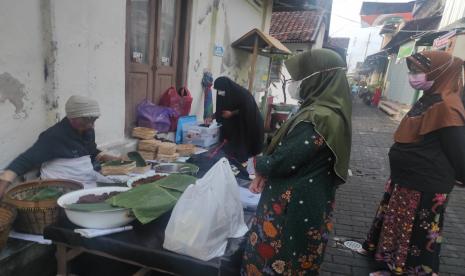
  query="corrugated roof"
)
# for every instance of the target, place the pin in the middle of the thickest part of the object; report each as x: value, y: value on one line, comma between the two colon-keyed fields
x: 413, y: 28
x: 372, y: 8
x: 340, y: 42
x: 266, y: 43
x: 296, y: 26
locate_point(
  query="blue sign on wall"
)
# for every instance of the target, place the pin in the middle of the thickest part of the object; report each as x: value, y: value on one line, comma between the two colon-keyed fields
x: 218, y: 51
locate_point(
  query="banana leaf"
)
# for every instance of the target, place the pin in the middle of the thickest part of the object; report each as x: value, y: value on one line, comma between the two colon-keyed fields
x: 149, y: 201
x: 45, y: 193
x: 117, y: 163
x: 135, y: 156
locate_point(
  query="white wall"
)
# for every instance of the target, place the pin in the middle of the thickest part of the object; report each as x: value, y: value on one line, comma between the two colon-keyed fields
x: 299, y: 47
x: 21, y: 71
x: 453, y: 11
x: 398, y: 88
x: 83, y: 45
x: 90, y: 39
x: 459, y: 47
x: 234, y: 19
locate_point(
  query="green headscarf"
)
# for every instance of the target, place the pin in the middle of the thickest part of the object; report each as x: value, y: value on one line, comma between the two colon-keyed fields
x: 326, y: 103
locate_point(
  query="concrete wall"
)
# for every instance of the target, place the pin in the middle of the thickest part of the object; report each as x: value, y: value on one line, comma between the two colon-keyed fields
x: 453, y: 11
x: 90, y: 39
x: 398, y: 88
x: 52, y: 49
x: 298, y: 47
x: 221, y: 22
x: 22, y: 106
x: 459, y: 46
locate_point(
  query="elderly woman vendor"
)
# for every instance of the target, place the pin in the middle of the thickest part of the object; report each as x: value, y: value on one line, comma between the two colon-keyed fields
x: 66, y: 150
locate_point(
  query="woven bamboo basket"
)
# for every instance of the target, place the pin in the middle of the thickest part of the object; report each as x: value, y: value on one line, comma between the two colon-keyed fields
x: 34, y: 216
x: 7, y: 217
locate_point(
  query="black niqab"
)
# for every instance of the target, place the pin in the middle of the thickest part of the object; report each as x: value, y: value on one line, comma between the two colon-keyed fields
x: 244, y: 131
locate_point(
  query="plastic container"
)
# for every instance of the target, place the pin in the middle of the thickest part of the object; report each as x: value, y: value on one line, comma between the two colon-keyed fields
x: 201, y: 136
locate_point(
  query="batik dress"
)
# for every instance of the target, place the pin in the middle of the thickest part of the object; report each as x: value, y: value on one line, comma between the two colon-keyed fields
x: 293, y: 219
x: 406, y: 235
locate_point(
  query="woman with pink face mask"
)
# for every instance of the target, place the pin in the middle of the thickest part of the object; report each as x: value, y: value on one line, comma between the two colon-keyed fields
x: 427, y: 160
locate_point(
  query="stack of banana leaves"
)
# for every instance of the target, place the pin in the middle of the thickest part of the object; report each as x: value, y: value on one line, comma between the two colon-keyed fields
x: 147, y: 202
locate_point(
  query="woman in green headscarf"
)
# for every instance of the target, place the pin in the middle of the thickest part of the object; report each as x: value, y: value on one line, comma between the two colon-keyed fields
x: 300, y: 171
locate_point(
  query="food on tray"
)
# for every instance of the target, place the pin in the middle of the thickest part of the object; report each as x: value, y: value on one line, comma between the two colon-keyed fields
x: 167, y: 158
x: 148, y: 180
x: 93, y: 198
x: 147, y: 155
x: 185, y: 149
x: 144, y: 133
x: 118, y: 167
x: 167, y: 148
x: 149, y: 145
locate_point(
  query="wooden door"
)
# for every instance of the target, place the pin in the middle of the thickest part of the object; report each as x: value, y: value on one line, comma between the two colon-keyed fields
x: 139, y: 55
x: 166, y: 57
x: 152, y: 51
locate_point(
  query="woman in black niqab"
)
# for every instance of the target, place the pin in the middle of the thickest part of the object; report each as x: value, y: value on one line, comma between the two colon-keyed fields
x: 242, y: 124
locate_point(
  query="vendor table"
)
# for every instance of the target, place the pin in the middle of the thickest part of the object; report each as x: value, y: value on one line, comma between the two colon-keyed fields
x: 143, y: 247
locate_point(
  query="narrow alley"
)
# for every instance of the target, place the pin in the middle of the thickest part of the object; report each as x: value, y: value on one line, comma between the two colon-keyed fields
x: 357, y: 200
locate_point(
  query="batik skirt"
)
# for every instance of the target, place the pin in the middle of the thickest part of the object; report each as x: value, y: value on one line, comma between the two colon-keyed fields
x: 406, y: 234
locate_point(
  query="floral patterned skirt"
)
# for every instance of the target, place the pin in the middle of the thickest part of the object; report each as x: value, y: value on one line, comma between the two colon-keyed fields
x: 405, y: 237
x: 290, y: 231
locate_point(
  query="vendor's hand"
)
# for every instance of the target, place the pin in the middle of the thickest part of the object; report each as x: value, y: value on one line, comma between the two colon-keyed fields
x: 257, y: 184
x: 3, y: 187
x: 227, y: 114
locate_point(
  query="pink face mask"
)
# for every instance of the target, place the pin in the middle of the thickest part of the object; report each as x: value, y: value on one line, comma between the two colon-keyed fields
x: 420, y: 82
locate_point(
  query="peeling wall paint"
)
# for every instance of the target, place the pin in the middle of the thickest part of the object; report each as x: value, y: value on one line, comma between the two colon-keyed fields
x: 22, y: 109
x: 221, y: 22
x: 12, y: 90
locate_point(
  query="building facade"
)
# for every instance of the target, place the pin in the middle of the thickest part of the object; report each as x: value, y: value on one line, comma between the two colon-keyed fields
x: 116, y: 51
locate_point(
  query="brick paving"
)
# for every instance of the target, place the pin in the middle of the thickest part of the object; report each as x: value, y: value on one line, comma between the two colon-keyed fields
x: 356, y: 201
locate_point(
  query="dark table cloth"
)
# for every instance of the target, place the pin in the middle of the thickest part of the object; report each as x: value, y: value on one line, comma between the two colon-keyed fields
x: 144, y: 245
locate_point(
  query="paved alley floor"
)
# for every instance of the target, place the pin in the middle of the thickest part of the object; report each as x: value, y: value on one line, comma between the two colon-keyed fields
x: 357, y: 200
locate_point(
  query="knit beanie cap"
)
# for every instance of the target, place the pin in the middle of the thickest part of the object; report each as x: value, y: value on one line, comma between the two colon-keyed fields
x: 79, y: 106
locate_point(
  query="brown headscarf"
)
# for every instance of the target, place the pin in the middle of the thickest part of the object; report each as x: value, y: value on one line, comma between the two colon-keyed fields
x: 441, y: 106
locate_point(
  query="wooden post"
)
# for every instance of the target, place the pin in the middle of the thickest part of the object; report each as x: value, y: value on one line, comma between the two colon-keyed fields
x: 62, y: 269
x: 254, y: 63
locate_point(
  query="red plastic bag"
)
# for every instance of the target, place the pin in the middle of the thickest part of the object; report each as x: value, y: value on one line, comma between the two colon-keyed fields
x: 179, y: 101
x: 186, y: 100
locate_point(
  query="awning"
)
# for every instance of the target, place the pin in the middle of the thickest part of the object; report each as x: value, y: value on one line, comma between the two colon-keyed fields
x: 267, y: 44
x: 259, y: 43
x: 412, y: 29
x: 374, y: 13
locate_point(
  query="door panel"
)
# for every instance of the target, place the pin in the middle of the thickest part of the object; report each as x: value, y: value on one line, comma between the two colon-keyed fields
x: 167, y: 45
x: 152, y: 39
x: 139, y: 57
x: 137, y: 83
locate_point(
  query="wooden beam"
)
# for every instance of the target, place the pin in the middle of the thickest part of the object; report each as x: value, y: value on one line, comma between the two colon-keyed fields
x: 253, y: 64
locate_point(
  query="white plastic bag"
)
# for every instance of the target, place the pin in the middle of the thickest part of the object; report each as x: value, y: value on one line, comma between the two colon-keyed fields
x: 206, y: 215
